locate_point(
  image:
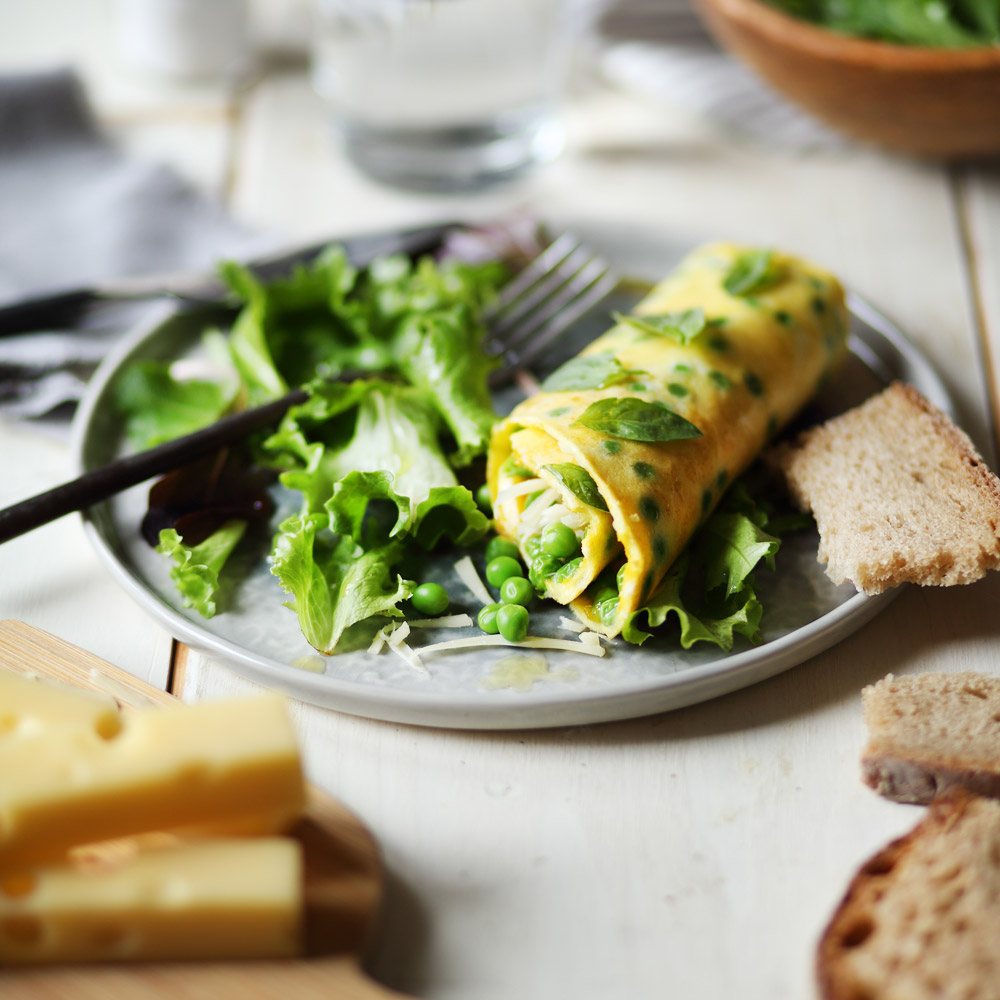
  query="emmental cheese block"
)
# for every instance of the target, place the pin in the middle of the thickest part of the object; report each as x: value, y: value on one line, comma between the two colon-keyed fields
x: 32, y: 706
x: 224, y: 765
x: 220, y: 898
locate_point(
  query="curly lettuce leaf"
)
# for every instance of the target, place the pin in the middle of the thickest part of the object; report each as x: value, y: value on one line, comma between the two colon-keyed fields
x: 158, y: 407
x: 717, y: 624
x: 422, y: 319
x: 443, y: 355
x: 710, y: 587
x: 447, y: 512
x: 195, y: 570
x: 333, y: 582
x: 369, y: 442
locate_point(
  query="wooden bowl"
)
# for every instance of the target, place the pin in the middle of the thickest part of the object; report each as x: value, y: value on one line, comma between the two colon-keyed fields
x: 933, y: 102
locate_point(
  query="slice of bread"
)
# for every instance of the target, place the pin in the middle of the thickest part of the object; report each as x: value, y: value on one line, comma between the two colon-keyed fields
x: 921, y: 920
x: 928, y: 733
x: 899, y: 494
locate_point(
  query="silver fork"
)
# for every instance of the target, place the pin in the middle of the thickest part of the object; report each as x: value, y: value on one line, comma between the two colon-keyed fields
x: 543, y: 301
x: 539, y: 304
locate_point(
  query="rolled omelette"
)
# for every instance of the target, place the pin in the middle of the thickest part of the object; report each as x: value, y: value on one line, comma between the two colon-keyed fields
x: 631, y: 444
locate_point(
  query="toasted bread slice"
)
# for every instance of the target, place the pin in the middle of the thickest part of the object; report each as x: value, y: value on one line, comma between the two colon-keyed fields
x: 928, y: 733
x: 921, y: 920
x: 899, y: 494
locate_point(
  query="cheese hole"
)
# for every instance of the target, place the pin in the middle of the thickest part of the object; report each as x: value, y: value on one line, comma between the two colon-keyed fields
x: 108, y: 726
x: 18, y: 886
x: 22, y: 930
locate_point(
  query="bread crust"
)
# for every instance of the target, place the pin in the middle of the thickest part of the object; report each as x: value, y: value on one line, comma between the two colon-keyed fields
x: 906, y: 927
x: 929, y: 733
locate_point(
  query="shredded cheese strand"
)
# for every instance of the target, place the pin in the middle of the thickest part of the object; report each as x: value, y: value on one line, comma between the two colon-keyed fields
x: 530, y: 642
x: 519, y: 490
x: 445, y: 621
x: 571, y: 624
x: 468, y: 575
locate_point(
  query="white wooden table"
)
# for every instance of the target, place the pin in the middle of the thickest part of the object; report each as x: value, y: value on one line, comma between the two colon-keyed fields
x: 695, y: 854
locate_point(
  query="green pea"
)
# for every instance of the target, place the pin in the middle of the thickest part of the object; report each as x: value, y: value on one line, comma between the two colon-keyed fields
x: 487, y: 619
x: 483, y: 497
x: 568, y: 570
x: 560, y: 540
x: 499, y: 569
x: 605, y: 594
x: 516, y: 590
x: 512, y: 621
x: 501, y: 547
x: 430, y: 599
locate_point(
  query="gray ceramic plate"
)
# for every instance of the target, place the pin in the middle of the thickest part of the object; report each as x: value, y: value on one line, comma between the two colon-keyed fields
x: 805, y: 613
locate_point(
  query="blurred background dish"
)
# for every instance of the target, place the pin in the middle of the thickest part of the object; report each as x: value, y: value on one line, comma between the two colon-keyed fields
x: 939, y: 102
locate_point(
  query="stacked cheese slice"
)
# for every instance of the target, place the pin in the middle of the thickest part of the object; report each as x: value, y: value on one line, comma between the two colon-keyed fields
x: 151, y: 834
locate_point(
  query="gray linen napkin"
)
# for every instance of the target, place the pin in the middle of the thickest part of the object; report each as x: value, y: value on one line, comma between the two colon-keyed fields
x: 75, y: 210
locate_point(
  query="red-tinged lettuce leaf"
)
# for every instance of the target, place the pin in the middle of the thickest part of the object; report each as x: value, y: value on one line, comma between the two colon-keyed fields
x: 333, y: 582
x: 198, y: 498
x: 196, y: 568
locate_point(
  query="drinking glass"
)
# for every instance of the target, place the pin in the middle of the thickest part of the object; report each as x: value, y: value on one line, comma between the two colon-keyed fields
x: 447, y: 95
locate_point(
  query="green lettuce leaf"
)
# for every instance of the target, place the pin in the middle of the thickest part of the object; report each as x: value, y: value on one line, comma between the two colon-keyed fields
x: 710, y: 587
x: 719, y: 625
x: 333, y: 582
x: 196, y: 569
x: 158, y: 407
x: 446, y: 512
x: 443, y: 355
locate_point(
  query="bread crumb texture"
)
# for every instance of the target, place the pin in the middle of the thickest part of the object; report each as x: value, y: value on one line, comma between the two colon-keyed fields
x: 921, y: 919
x: 928, y: 733
x: 899, y: 494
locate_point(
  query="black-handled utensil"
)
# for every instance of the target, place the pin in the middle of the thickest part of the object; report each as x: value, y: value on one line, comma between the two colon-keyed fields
x: 62, y: 308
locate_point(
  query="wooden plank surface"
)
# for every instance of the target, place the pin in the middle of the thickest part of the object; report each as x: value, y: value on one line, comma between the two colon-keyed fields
x: 342, y: 890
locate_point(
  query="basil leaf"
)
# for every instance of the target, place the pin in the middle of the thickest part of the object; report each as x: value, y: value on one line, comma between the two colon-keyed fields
x: 683, y: 325
x: 590, y: 371
x: 636, y: 420
x: 750, y: 272
x: 579, y: 482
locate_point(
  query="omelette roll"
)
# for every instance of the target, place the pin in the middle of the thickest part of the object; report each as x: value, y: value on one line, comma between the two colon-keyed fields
x: 629, y: 446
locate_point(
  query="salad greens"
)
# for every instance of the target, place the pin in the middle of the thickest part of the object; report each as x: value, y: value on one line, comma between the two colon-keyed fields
x: 353, y: 449
x: 710, y: 586
x: 372, y: 463
x: 939, y: 23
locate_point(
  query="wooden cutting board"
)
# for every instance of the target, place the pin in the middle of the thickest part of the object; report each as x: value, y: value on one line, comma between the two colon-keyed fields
x: 342, y: 890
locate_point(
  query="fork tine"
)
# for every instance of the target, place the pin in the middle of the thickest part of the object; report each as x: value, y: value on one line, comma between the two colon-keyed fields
x: 601, y: 282
x: 543, y: 292
x: 544, y: 264
x: 591, y: 272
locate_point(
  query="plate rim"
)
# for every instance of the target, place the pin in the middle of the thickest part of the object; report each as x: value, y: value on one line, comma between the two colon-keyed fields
x: 504, y: 710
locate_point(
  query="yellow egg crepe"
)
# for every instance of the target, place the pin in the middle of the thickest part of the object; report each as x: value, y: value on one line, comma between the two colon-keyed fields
x: 631, y: 443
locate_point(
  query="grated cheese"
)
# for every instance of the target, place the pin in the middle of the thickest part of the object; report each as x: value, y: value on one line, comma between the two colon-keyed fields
x: 530, y: 642
x: 591, y: 638
x: 468, y: 575
x: 531, y: 516
x: 519, y: 490
x: 445, y: 621
x: 571, y: 624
